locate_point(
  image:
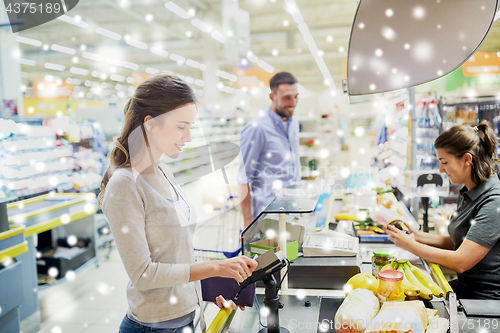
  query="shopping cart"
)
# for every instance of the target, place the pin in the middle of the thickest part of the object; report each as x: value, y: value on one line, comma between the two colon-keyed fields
x: 219, y: 237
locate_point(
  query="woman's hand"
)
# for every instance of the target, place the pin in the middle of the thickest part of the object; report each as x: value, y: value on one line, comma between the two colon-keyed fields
x: 222, y: 303
x: 400, y: 238
x: 238, y: 268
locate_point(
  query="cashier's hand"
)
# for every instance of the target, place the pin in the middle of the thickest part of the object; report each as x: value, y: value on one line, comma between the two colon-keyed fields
x: 400, y: 238
x: 222, y: 303
x: 238, y: 268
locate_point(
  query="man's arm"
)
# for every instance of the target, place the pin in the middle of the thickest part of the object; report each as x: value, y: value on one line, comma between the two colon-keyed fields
x: 246, y: 203
x: 251, y: 144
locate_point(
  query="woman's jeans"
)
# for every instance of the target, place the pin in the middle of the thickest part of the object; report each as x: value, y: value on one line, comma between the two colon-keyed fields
x: 129, y: 326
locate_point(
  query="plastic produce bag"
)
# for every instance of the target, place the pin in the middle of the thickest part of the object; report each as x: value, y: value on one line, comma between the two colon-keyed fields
x: 356, y: 312
x: 400, y: 317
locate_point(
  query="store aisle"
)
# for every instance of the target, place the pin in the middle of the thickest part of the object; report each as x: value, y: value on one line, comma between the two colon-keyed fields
x: 95, y: 301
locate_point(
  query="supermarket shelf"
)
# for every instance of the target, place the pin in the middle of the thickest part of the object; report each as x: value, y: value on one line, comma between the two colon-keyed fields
x: 309, y: 173
x: 308, y: 154
x: 40, y: 175
x: 305, y: 118
x: 423, y: 194
x: 303, y: 135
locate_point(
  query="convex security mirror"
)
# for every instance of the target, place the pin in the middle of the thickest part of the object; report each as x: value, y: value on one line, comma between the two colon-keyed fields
x: 398, y: 44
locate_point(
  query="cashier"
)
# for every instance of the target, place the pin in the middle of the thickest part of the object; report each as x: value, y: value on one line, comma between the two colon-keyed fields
x: 151, y: 220
x: 467, y: 155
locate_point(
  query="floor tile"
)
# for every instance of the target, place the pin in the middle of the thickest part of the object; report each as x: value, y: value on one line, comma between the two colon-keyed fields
x: 62, y: 328
x: 101, y: 329
x: 113, y: 318
x: 76, y: 316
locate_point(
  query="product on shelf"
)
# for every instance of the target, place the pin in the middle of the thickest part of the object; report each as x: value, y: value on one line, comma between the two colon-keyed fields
x: 40, y: 158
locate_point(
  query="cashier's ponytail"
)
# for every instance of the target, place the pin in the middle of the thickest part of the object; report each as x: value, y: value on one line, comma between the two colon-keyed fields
x: 154, y: 97
x: 479, y: 141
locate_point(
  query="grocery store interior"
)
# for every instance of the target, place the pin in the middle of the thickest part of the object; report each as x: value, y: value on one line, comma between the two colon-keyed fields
x: 366, y: 131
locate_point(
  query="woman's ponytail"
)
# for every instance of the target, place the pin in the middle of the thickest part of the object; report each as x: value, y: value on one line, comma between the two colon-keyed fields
x: 488, y: 140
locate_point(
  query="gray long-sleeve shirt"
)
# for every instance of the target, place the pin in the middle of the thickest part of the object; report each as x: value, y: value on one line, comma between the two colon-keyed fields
x: 155, y: 245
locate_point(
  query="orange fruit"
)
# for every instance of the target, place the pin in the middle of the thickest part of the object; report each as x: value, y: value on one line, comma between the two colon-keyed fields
x: 363, y: 281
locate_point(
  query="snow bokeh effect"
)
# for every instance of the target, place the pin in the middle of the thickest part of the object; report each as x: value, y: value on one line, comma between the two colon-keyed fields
x: 396, y: 45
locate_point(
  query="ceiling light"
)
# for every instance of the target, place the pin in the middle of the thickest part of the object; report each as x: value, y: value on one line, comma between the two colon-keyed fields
x: 45, y: 47
x: 103, y: 76
x: 321, y: 53
x: 297, y: 15
x: 80, y: 71
x: 341, y: 49
x: 75, y: 82
x: 28, y: 41
x: 158, y: 51
x: 177, y: 10
x: 27, y: 62
x: 136, y: 43
x: 303, y: 28
x: 252, y: 57
x: 152, y: 71
x: 55, y: 67
x: 192, y: 63
x: 218, y: 36
x: 75, y: 60
x: 108, y: 33
x: 329, y: 39
x: 178, y: 58
x: 265, y: 66
x: 130, y: 65
x: 149, y: 17
x: 63, y: 49
x: 189, y: 34
x: 192, y: 12
x: 275, y: 52
x: 83, y: 47
x: 92, y: 56
x: 200, y: 25
x: 116, y: 77
x: 286, y: 23
x: 71, y: 20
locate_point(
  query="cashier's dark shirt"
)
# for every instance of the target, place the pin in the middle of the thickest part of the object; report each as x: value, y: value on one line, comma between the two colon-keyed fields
x: 478, y: 218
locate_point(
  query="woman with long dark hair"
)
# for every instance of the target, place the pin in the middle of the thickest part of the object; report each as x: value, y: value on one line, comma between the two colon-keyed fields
x: 151, y: 220
x: 468, y: 156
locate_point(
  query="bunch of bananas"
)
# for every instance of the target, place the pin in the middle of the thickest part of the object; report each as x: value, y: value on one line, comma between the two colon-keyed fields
x: 416, y: 284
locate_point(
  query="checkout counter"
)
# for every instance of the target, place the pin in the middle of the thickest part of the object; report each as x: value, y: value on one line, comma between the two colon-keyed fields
x: 36, y: 226
x: 314, y: 290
